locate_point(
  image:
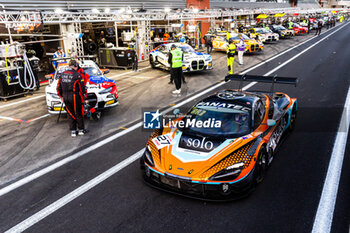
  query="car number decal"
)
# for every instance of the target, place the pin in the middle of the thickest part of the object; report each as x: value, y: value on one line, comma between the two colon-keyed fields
x: 163, y: 141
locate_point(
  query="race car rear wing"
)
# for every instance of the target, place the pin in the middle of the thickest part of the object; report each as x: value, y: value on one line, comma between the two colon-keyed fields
x: 261, y: 79
x: 77, y: 57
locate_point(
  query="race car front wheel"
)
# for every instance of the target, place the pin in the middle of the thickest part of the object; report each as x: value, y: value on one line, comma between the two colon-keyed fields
x: 261, y: 165
x: 151, y: 61
x: 293, y: 117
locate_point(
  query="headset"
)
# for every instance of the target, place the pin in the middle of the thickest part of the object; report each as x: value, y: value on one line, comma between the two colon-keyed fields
x: 73, y: 63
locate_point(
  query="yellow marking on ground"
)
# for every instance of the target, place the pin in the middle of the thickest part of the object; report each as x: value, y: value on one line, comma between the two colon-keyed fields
x: 123, y: 128
x: 172, y: 104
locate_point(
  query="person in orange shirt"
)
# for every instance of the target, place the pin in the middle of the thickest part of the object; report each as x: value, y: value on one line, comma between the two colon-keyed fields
x: 166, y: 36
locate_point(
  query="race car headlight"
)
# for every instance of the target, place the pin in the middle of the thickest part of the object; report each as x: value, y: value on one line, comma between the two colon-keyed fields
x: 54, y: 96
x: 208, y: 58
x: 105, y: 91
x: 148, y: 157
x: 229, y: 173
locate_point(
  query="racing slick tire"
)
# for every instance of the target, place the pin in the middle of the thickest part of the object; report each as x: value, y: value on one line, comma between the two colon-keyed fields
x: 261, y: 165
x: 293, y: 117
x: 96, y: 116
x: 151, y: 61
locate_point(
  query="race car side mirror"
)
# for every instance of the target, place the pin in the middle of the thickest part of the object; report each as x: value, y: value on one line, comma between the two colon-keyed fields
x: 106, y: 72
x: 271, y: 122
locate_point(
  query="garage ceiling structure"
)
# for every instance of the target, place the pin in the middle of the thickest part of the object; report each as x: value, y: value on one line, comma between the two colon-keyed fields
x: 90, y: 4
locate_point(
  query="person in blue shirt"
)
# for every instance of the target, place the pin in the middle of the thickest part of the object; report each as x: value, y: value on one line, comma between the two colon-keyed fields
x: 58, y: 54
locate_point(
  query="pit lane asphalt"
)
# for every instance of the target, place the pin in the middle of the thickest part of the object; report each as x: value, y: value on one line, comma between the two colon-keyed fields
x: 285, y: 202
x: 26, y: 147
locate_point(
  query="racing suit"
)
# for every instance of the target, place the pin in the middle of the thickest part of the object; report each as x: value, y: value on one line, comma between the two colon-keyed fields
x: 231, y: 51
x: 84, y: 75
x: 72, y: 89
x: 175, y: 61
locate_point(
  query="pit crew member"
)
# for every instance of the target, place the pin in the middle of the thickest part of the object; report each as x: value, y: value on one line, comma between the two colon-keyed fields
x: 231, y: 51
x: 176, y: 57
x: 71, y: 90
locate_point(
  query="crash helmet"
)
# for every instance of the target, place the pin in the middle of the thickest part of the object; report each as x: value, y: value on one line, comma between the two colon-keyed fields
x: 240, y: 118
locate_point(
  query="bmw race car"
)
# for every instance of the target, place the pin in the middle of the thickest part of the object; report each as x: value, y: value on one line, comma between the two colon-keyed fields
x: 193, y: 61
x: 101, y: 92
x: 263, y: 34
x: 220, y: 43
x: 282, y: 31
x: 223, y: 146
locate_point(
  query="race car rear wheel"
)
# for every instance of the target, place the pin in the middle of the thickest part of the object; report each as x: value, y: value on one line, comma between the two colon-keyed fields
x: 293, y: 117
x: 261, y: 165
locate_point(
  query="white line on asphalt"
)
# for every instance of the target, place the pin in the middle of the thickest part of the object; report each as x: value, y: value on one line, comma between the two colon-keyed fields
x: 76, y: 193
x: 129, y: 72
x: 64, y: 161
x: 325, y: 210
x: 307, y: 49
x: 37, y: 118
x: 22, y: 101
x: 25, y: 224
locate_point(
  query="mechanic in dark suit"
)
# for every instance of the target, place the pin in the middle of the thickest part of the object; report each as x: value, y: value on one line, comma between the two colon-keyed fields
x: 71, y: 90
x: 134, y: 57
x: 319, y: 28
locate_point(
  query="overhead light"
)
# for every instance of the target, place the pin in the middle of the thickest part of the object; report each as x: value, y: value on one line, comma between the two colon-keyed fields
x: 95, y: 11
x: 58, y: 11
x: 195, y: 10
x: 167, y: 10
x: 107, y: 10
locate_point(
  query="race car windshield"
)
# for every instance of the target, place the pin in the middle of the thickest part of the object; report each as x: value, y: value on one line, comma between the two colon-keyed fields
x: 265, y: 30
x: 260, y: 30
x: 235, y: 37
x: 187, y: 49
x: 92, y: 71
x: 280, y: 27
x: 223, y: 122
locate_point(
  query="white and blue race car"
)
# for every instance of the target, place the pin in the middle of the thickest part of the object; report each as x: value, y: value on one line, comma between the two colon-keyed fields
x: 193, y: 61
x: 102, y: 93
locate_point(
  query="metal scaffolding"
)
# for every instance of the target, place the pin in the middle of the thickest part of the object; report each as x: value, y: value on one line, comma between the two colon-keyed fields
x: 78, y: 43
x: 13, y: 18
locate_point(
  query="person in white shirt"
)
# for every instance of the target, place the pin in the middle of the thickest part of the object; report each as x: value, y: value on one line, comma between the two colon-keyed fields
x: 241, y: 48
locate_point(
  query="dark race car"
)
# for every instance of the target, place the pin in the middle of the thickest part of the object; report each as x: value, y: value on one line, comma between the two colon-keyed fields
x: 282, y: 31
x: 226, y: 159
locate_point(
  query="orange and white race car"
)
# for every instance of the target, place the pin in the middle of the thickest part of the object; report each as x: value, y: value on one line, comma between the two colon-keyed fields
x: 220, y: 149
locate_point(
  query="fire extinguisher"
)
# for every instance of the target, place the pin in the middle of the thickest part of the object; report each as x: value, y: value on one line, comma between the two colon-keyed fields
x: 143, y: 56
